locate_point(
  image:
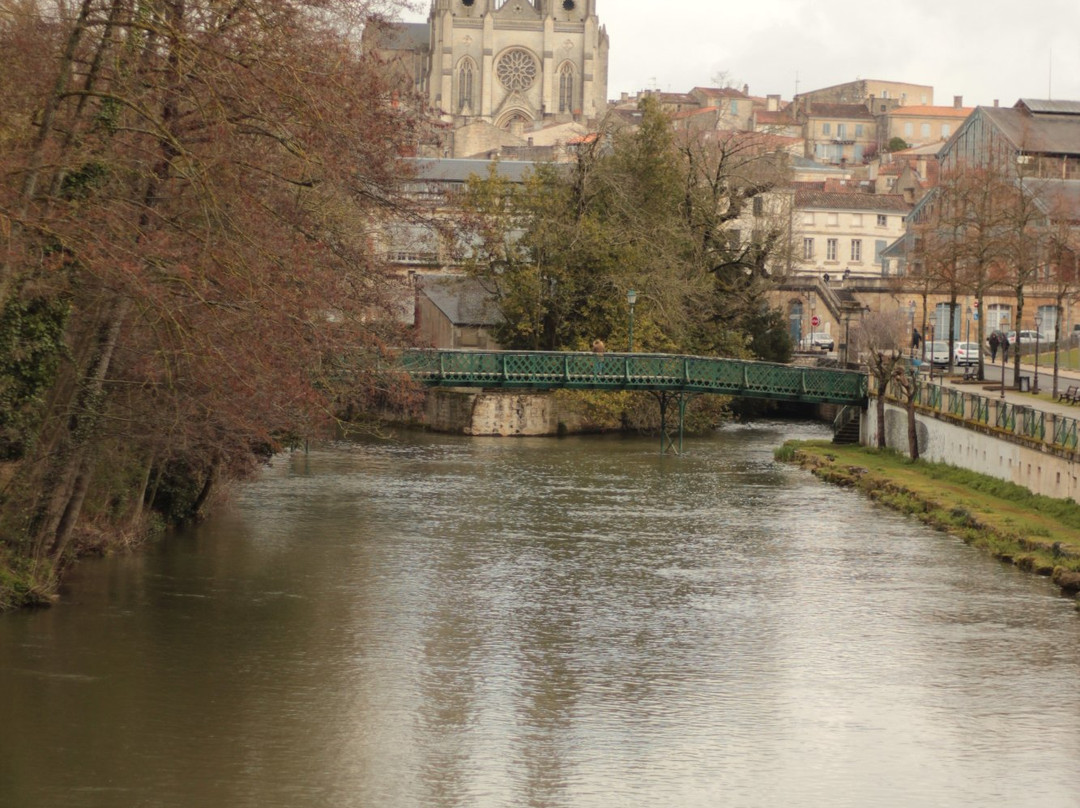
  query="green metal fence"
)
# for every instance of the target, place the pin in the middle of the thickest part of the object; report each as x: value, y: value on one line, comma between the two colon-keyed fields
x: 657, y: 372
x: 1057, y: 430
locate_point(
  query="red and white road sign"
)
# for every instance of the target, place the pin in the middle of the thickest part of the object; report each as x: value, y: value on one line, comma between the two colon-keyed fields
x: 815, y: 320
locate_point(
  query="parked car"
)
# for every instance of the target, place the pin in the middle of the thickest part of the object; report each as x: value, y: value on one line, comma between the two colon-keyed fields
x: 937, y: 353
x: 1027, y: 337
x: 966, y: 353
x: 819, y: 339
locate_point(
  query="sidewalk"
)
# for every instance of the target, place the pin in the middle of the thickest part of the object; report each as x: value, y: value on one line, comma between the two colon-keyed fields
x: 1042, y: 401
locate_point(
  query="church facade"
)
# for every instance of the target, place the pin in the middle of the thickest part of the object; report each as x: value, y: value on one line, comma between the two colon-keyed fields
x: 515, y: 63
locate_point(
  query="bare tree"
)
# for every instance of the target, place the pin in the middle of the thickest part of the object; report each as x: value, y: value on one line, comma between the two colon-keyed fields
x: 881, y: 338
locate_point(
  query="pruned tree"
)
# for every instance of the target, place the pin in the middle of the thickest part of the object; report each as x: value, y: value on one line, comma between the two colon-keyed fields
x: 880, y: 337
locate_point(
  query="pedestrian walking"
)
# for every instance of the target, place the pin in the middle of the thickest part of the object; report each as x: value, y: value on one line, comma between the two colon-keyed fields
x: 1004, y: 347
x: 995, y: 342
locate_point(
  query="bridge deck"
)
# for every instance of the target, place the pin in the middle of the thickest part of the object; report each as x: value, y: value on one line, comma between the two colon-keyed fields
x: 539, y: 370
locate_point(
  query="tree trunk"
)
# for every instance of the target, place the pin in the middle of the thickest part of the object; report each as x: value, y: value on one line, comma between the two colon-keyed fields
x: 883, y: 386
x: 61, y: 484
x: 912, y: 431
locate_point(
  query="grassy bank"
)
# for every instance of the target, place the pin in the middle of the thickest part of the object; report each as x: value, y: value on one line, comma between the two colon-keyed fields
x: 1036, y: 533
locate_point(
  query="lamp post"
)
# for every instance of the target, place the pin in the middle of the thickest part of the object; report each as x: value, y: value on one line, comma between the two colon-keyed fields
x: 631, y: 298
x: 911, y: 317
x: 1038, y: 333
x: 1003, y: 352
x: 931, y: 352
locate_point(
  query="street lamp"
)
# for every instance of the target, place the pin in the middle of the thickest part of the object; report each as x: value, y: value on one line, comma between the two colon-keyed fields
x: 931, y: 352
x: 1003, y: 352
x: 911, y: 317
x: 631, y: 298
x: 1038, y: 333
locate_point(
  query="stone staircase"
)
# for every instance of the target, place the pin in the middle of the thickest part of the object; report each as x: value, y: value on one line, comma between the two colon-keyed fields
x: 847, y: 426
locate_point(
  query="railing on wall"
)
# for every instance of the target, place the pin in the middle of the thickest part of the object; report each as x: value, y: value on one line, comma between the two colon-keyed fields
x: 1053, y: 429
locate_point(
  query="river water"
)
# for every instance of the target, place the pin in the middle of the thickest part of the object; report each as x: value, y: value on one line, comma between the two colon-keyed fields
x: 435, y: 621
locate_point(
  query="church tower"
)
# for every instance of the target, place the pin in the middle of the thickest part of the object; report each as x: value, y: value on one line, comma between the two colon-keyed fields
x: 510, y: 63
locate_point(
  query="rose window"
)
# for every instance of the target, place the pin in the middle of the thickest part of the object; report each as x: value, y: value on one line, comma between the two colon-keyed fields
x: 516, y: 70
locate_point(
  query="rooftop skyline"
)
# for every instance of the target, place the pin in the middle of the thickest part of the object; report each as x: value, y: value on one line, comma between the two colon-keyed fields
x: 982, y: 51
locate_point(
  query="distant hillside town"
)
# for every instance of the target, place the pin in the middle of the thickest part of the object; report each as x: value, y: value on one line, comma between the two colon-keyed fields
x: 508, y: 84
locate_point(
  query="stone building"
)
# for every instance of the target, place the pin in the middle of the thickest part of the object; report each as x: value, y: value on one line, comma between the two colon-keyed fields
x: 516, y: 62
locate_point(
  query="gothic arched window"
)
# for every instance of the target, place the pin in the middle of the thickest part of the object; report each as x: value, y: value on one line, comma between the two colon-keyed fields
x: 466, y: 75
x: 566, y: 88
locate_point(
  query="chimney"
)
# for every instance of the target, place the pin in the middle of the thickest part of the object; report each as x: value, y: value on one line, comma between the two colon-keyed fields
x: 958, y: 101
x: 996, y: 102
x: 746, y: 89
x: 772, y: 103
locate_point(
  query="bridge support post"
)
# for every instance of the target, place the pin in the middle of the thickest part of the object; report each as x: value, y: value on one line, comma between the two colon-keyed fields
x: 664, y: 398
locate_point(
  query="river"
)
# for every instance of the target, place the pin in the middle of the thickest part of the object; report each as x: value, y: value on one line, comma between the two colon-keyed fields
x: 440, y: 621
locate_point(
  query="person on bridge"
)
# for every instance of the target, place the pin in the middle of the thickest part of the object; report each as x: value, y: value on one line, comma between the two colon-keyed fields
x: 598, y: 346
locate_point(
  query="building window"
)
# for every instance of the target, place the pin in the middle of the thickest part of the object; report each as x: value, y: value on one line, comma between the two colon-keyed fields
x: 830, y: 250
x: 566, y: 88
x: 833, y: 219
x: 517, y: 70
x: 759, y: 206
x: 841, y: 131
x: 826, y: 129
x: 856, y: 250
x: 856, y: 220
x: 882, y: 220
x: 808, y: 249
x: 924, y: 130
x: 946, y: 130
x: 858, y: 130
x: 734, y: 107
x: 909, y: 129
x: 465, y: 85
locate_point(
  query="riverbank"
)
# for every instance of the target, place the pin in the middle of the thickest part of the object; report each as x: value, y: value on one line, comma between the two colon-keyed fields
x: 1036, y: 533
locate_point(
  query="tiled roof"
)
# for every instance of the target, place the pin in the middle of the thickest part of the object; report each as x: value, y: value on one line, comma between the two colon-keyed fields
x: 1050, y: 107
x: 781, y: 118
x: 403, y: 36
x: 930, y: 112
x: 463, y: 300
x: 826, y: 200
x: 676, y: 98
x: 720, y: 92
x: 443, y: 170
x: 1038, y: 134
x: 689, y: 113
x: 1060, y: 197
x: 852, y: 111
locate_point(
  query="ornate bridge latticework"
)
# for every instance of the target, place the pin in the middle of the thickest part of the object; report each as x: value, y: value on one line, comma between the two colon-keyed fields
x: 658, y: 373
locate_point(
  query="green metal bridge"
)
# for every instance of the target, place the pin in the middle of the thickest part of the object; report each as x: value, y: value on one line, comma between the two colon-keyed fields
x: 672, y: 378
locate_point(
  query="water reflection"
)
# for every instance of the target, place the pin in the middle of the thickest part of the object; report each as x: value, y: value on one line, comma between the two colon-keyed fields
x: 446, y: 622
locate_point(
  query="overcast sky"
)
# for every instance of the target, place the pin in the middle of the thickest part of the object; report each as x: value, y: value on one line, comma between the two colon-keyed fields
x: 986, y: 50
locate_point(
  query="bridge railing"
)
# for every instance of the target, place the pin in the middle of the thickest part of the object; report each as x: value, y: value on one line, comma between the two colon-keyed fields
x: 616, y: 371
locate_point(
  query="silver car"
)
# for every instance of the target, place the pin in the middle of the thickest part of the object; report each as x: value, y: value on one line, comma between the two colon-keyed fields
x: 937, y: 353
x: 966, y: 353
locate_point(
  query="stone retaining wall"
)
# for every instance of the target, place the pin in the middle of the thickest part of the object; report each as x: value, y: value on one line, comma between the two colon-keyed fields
x: 1039, y: 468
